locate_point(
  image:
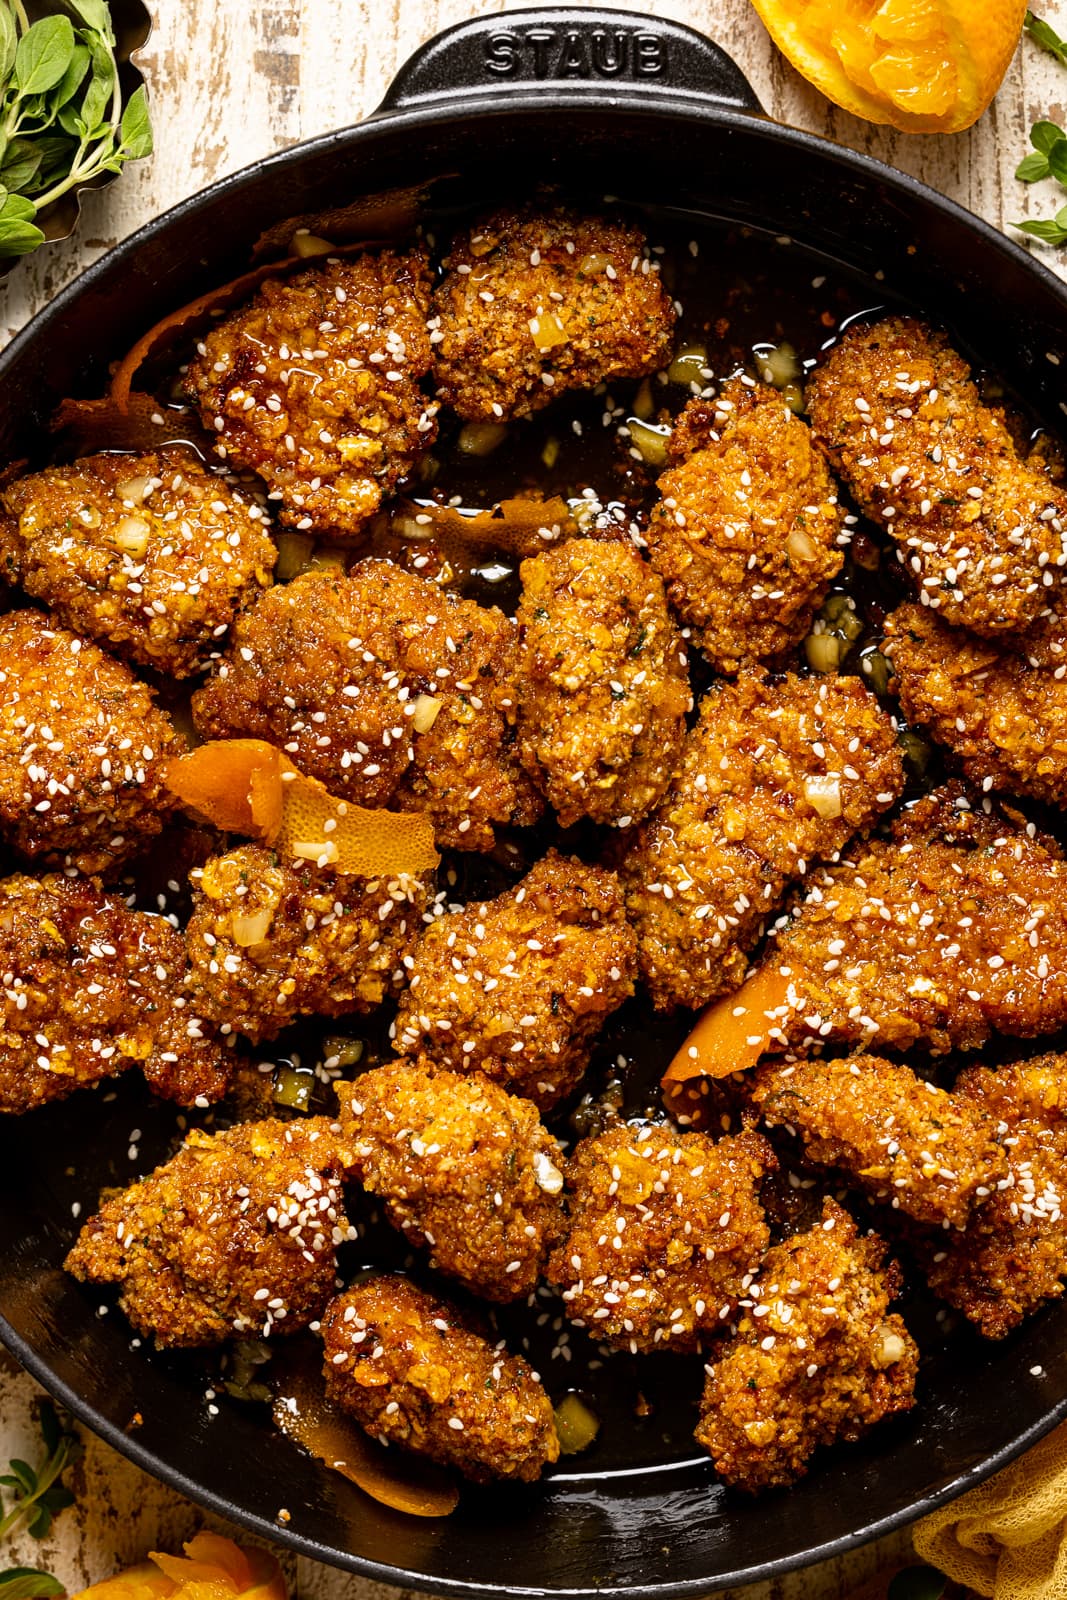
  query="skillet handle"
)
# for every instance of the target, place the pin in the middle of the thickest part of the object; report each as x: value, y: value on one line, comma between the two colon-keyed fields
x: 571, y: 51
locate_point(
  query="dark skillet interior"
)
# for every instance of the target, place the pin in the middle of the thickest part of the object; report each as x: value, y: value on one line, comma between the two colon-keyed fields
x: 642, y: 1513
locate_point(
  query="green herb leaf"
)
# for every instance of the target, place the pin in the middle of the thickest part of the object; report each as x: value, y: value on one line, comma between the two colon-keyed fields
x: 71, y: 80
x: 43, y: 54
x: 8, y: 42
x: 19, y: 238
x: 1057, y: 160
x: 1049, y: 232
x: 28, y: 1583
x: 50, y: 1426
x: 1043, y: 34
x: 20, y: 164
x: 917, y: 1583
x: 95, y: 15
x: 21, y: 1469
x: 101, y: 85
x: 136, y: 130
x: 1033, y: 167
x: 1043, y: 136
x: 16, y: 208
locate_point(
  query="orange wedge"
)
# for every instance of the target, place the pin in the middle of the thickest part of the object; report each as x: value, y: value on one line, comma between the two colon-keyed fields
x: 213, y: 1568
x: 923, y: 66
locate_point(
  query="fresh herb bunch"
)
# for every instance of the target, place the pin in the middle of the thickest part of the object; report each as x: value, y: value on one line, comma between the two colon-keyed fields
x: 1048, y: 158
x: 62, y: 121
x: 38, y: 1496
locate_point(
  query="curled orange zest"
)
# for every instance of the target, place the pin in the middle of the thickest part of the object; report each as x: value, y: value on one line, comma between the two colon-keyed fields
x: 220, y: 299
x: 734, y: 1032
x: 406, y: 1483
x: 248, y: 786
x: 213, y: 1568
x: 522, y: 527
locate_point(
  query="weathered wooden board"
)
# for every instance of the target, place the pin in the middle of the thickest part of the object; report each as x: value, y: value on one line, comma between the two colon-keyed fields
x: 231, y: 81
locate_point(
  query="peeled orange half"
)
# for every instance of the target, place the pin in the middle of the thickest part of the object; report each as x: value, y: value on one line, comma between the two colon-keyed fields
x: 924, y: 66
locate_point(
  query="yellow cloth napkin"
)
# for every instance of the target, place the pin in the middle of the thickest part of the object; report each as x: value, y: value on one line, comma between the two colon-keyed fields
x: 1008, y: 1537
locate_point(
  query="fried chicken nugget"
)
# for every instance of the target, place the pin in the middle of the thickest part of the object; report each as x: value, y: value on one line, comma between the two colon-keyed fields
x: 665, y: 1231
x: 1002, y: 713
x: 150, y: 554
x: 315, y: 385
x: 91, y: 988
x: 902, y: 1140
x: 388, y: 691
x: 983, y: 533
x: 465, y: 1169
x: 776, y: 774
x: 236, y: 1234
x: 413, y: 1372
x: 538, y: 301
x: 83, y: 749
x: 269, y: 942
x: 824, y: 1362
x: 518, y: 987
x: 1012, y: 1255
x: 952, y: 929
x: 745, y: 532
x: 605, y: 688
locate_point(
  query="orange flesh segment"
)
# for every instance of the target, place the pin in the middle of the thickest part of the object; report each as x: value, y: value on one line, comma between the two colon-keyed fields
x: 213, y: 1568
x: 734, y: 1032
x: 248, y: 786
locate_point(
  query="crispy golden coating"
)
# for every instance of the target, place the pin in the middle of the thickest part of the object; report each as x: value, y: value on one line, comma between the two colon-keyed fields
x: 269, y: 942
x: 1004, y: 718
x: 83, y: 748
x: 902, y: 1140
x: 150, y: 554
x: 236, y: 1234
x: 1013, y: 1253
x: 518, y: 987
x: 535, y: 302
x: 605, y: 687
x: 465, y: 1169
x: 389, y: 691
x: 824, y: 1362
x: 982, y: 533
x: 91, y: 988
x: 415, y: 1373
x: 776, y: 774
x: 950, y: 930
x: 745, y: 532
x: 665, y: 1231
x: 315, y: 385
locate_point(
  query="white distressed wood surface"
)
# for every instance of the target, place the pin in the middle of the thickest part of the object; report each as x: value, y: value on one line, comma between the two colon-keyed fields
x: 231, y: 80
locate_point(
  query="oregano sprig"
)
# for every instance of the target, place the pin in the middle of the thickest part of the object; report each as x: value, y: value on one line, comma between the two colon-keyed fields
x: 62, y: 120
x: 34, y: 1495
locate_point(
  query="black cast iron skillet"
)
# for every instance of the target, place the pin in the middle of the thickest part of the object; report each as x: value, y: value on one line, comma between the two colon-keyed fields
x: 654, y: 113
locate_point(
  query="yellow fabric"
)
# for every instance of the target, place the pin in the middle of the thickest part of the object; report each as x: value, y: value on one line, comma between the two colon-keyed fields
x: 1008, y: 1537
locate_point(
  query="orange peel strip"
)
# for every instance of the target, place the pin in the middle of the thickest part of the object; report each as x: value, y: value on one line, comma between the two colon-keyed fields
x: 219, y: 299
x: 734, y: 1032
x: 248, y: 786
x: 518, y: 526
x: 213, y: 1568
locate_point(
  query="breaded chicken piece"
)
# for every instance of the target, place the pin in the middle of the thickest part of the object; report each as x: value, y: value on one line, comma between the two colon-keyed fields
x: 665, y: 1231
x: 520, y: 986
x: 541, y: 300
x: 745, y: 532
x: 776, y: 774
x: 388, y: 691
x: 91, y: 988
x: 605, y: 687
x: 465, y: 1169
x: 269, y: 942
x: 825, y: 1361
x: 1012, y: 1255
x: 952, y: 929
x: 150, y: 554
x: 1003, y: 717
x: 900, y: 1139
x: 982, y: 533
x: 315, y: 385
x: 413, y: 1372
x: 83, y: 749
x: 236, y: 1234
